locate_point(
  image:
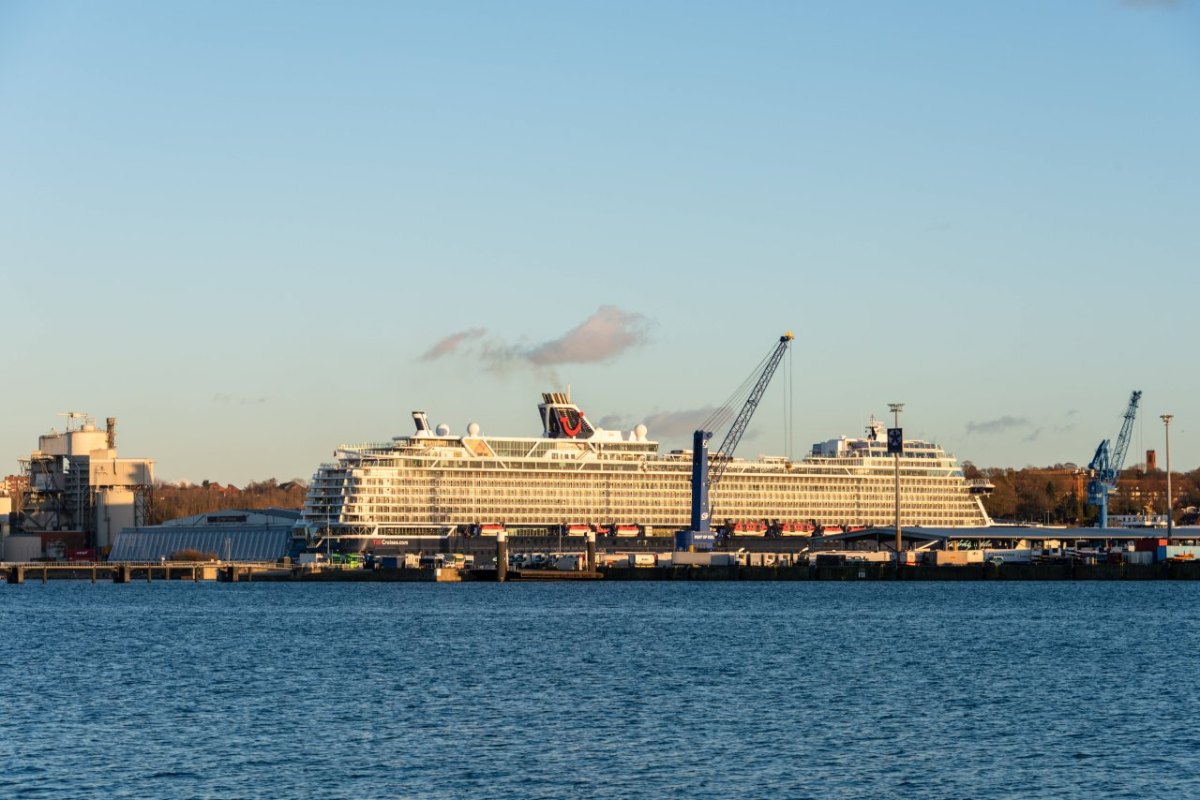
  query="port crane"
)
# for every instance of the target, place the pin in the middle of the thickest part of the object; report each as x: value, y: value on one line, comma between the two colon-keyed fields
x: 1105, y: 470
x: 706, y: 473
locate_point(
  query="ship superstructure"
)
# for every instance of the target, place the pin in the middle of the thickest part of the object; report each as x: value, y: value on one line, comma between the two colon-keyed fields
x: 576, y: 475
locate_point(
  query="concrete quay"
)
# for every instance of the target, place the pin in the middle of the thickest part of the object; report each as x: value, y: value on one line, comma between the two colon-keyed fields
x: 1186, y: 571
x: 736, y: 572
x: 868, y: 571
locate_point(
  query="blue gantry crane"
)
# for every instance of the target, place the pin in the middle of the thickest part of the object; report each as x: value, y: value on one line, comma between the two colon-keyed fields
x: 1105, y: 469
x: 706, y: 472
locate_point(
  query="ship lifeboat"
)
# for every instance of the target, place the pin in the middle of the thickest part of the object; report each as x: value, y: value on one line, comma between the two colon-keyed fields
x: 627, y: 531
x: 490, y: 529
x: 603, y: 530
x: 830, y: 530
x: 749, y: 529
x: 578, y: 530
x: 795, y: 529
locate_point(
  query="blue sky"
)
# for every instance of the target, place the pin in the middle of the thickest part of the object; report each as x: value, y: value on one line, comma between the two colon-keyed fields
x: 253, y: 231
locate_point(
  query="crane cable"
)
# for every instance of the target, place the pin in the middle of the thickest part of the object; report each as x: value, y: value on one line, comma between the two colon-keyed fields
x: 789, y: 397
x: 724, y: 413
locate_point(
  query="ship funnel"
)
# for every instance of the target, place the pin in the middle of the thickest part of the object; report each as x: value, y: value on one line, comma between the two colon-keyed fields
x: 112, y: 433
x: 422, y: 422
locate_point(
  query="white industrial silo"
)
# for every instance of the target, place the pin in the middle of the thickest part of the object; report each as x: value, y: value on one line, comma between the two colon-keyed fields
x: 5, y: 510
x: 114, y: 511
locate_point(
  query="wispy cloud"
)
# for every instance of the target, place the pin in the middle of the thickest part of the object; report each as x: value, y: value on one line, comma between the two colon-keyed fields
x: 222, y: 399
x: 1150, y: 3
x: 676, y: 424
x: 603, y: 336
x: 998, y: 425
x: 450, y: 344
x: 662, y: 425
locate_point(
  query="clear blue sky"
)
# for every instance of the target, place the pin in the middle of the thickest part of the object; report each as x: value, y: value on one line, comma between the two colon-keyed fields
x: 253, y: 231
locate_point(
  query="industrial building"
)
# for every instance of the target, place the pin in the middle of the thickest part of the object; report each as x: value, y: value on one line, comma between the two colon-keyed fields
x: 78, y: 493
x: 6, y: 509
x: 230, y: 535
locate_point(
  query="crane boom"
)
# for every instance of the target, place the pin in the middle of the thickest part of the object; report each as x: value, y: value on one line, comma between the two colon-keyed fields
x: 707, y: 474
x: 1118, y: 459
x: 1105, y: 469
x: 730, y: 442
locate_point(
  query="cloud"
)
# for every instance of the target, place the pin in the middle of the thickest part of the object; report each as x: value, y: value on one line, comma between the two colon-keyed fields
x: 673, y: 424
x: 999, y: 425
x: 603, y: 336
x: 614, y: 422
x: 450, y: 344
x: 663, y: 425
x: 1150, y: 3
x: 222, y: 399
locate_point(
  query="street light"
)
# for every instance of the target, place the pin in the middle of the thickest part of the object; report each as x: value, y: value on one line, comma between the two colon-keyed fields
x: 1166, y: 418
x: 896, y: 447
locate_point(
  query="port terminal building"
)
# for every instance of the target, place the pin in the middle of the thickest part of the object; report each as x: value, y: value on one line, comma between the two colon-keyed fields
x: 230, y: 535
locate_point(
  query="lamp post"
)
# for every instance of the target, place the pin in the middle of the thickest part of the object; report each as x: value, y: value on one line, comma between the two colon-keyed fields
x: 896, y: 446
x: 1166, y: 418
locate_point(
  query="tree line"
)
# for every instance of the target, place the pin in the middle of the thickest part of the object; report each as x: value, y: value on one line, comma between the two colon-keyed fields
x: 1058, y: 494
x: 175, y: 500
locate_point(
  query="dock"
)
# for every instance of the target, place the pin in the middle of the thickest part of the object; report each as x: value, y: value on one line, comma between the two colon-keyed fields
x: 43, y: 572
x: 129, y: 572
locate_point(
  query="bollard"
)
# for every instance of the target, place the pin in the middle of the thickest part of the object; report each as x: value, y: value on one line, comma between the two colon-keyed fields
x: 501, y: 556
x: 591, y: 551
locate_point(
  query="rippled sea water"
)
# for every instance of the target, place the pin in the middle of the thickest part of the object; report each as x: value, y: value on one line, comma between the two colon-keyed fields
x: 617, y: 690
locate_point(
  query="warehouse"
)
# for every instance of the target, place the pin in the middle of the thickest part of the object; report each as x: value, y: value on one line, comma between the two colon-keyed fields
x: 230, y: 535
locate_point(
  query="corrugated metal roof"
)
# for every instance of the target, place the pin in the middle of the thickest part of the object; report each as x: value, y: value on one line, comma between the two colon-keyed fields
x: 252, y: 517
x: 228, y: 542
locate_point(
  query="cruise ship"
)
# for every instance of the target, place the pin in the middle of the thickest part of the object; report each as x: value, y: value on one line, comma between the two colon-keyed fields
x: 575, y: 477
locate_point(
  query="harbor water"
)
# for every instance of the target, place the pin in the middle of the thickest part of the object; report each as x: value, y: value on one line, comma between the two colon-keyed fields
x: 600, y: 690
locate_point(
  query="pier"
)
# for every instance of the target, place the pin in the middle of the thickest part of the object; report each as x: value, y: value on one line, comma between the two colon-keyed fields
x: 35, y: 572
x: 128, y: 572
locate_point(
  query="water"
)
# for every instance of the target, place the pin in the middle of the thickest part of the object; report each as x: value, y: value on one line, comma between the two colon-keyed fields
x: 618, y: 690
